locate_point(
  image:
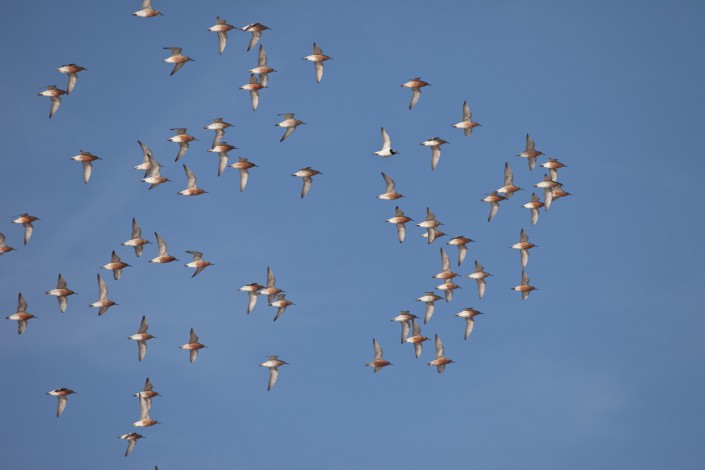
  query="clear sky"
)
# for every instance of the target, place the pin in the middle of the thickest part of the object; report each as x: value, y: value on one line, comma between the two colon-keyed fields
x: 602, y: 367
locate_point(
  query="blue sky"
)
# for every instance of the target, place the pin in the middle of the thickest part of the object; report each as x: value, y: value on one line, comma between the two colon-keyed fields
x: 601, y: 367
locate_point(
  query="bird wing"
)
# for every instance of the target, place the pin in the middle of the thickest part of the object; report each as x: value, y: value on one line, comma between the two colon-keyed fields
x: 386, y: 141
x: 469, y: 325
x: 102, y: 288
x: 307, y: 185
x: 254, y: 99
x: 61, y: 283
x: 253, y: 40
x: 439, y: 347
x: 61, y: 405
x: 273, y: 376
x: 55, y: 103
x: 190, y: 177
x: 197, y: 255
x: 244, y: 175
x: 462, y: 251
x: 401, y: 232
x: 288, y: 132
x: 530, y: 145
x: 262, y: 57
x: 415, y: 95
x: 466, y: 112
x: 73, y: 78
x: 524, y: 258
x: 445, y: 262
x: 131, y: 443
x: 252, y: 301
x: 415, y: 328
x: 271, y: 280
x: 193, y: 337
x: 378, y: 349
x: 193, y: 354
x: 524, y: 279
x: 481, y: 284
x: 317, y: 50
x: 21, y: 304
x: 136, y: 230
x: 319, y: 70
x: 417, y: 349
x: 222, y: 40
x: 508, y: 176
x: 494, y: 208
x: 390, y: 183
x: 176, y: 68
x: 63, y: 303
x: 435, y: 156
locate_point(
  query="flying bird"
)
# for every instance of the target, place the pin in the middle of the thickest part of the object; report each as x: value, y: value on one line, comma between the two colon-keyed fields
x: 416, y: 338
x: 243, y: 165
x: 252, y: 291
x: 87, y: 159
x: 440, y: 362
x: 55, y: 95
x: 271, y: 290
x: 415, y: 84
x: 163, y: 256
x: 191, y: 188
x: 256, y: 30
x: 428, y: 298
x: 466, y: 124
x: 193, y: 346
x: 103, y: 303
x: 153, y: 174
x: 136, y: 241
x: 26, y: 221
x: 448, y: 287
x: 145, y: 420
x: 530, y: 152
x: 146, y: 12
x: 61, y: 394
x: 389, y: 193
x: 222, y: 150
x: 508, y: 189
x: 430, y: 223
x: 469, y: 315
x: 534, y: 205
x: 183, y: 139
x: 548, y: 185
x: 461, y: 242
x: 273, y: 364
x: 524, y: 287
x: 435, y: 144
x: 142, y: 337
x: 61, y: 292
x: 523, y: 246
x: 253, y: 86
x: 176, y: 58
x: 219, y: 126
x: 281, y: 303
x: 399, y: 219
x: 493, y: 198
x: 404, y: 318
x: 318, y: 58
x: 221, y: 27
x: 378, y: 363
x: 4, y: 248
x: 289, y: 123
x: 262, y: 69
x: 553, y: 165
x: 133, y: 436
x: 146, y: 152
x: 116, y: 265
x: 72, y: 70
x: 387, y: 150
x: 480, y: 275
x: 198, y: 262
x: 437, y: 234
x: 307, y: 174
x: 445, y: 272
x: 21, y: 316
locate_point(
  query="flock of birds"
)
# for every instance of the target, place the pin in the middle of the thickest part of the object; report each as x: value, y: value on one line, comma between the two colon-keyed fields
x: 276, y: 297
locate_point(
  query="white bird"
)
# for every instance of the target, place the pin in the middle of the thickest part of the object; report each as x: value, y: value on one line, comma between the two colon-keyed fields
x: 273, y: 364
x: 387, y: 150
